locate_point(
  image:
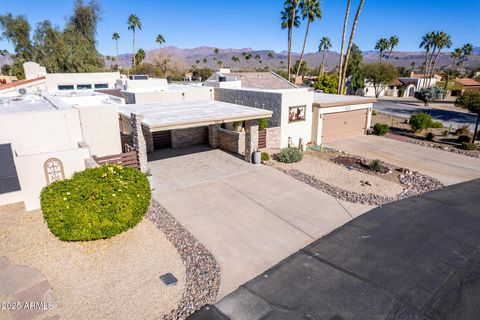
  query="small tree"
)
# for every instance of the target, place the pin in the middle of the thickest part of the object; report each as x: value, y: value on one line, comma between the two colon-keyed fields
x: 427, y: 95
x: 328, y: 83
x: 471, y: 100
x: 379, y: 75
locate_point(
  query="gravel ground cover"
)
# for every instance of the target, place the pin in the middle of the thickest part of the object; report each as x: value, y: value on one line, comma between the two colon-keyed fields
x: 117, y: 278
x: 202, y: 270
x: 351, y: 185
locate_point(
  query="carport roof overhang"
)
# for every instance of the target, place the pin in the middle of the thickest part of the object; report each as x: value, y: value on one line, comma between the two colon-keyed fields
x: 323, y: 100
x: 178, y: 115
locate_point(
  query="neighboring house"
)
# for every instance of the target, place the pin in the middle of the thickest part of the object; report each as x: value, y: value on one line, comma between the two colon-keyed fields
x: 26, y: 86
x: 438, y: 77
x: 402, y: 87
x: 71, y: 81
x: 7, y: 79
x: 45, y: 138
x: 463, y: 85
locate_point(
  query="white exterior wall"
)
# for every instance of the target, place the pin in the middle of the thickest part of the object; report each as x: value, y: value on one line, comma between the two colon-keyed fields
x: 189, y: 94
x: 299, y: 129
x: 56, y: 79
x: 319, y: 112
x: 370, y: 90
x: 100, y: 129
x: 35, y: 137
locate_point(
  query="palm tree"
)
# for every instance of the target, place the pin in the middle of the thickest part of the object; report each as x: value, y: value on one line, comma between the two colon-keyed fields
x: 160, y: 39
x: 448, y: 75
x: 441, y: 40
x: 311, y: 11
x: 466, y: 51
x: 134, y: 24
x: 270, y: 55
x: 204, y: 60
x: 247, y: 57
x: 325, y: 44
x: 290, y: 20
x: 344, y: 34
x: 456, y: 55
x: 427, y: 44
x: 115, y: 37
x: 349, y: 49
x: 382, y: 45
x: 392, y: 43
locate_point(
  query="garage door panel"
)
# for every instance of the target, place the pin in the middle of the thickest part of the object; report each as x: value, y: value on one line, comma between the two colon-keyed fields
x: 342, y: 125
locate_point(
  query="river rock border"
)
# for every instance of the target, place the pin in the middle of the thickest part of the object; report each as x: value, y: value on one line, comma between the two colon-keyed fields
x: 435, y: 145
x: 202, y: 270
x: 414, y: 182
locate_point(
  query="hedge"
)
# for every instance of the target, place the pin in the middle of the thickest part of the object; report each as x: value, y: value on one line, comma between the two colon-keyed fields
x: 96, y: 203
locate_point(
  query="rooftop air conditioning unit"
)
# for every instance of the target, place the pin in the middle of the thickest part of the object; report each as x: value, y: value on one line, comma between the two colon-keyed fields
x: 222, y: 79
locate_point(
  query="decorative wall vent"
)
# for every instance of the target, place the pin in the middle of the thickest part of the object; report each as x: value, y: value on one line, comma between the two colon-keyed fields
x: 53, y: 170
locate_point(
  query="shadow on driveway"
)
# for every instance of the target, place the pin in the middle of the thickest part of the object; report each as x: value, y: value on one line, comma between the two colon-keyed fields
x: 417, y: 258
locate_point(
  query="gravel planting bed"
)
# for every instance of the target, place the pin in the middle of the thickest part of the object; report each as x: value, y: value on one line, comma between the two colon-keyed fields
x: 414, y: 183
x: 202, y: 271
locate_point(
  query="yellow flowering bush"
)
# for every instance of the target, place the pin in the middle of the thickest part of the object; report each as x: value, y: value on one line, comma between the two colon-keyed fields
x: 96, y: 203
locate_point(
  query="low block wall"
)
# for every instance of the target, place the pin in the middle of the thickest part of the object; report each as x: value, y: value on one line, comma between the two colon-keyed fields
x: 274, y: 138
x: 189, y: 137
x: 231, y: 141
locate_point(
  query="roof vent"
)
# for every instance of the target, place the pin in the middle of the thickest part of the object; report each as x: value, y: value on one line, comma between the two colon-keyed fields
x: 22, y: 91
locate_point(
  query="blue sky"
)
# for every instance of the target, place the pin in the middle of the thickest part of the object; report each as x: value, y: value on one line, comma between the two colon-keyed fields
x: 255, y: 23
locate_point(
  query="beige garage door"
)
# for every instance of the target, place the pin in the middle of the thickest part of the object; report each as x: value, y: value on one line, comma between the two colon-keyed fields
x: 343, y: 125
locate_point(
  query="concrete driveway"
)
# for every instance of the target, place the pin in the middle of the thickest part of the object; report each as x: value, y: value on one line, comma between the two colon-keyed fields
x: 447, y: 167
x: 250, y: 217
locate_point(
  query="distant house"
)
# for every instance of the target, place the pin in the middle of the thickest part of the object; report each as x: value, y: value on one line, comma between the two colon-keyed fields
x: 402, y: 87
x: 437, y: 77
x: 465, y: 84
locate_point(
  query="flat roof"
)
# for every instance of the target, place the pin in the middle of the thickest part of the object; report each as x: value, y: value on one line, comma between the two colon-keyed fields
x: 27, y: 103
x: 324, y: 100
x: 177, y: 115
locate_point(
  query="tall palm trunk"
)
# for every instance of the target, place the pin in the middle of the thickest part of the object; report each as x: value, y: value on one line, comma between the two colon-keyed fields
x: 322, y: 66
x: 290, y: 36
x: 303, y: 49
x: 340, y: 64
x: 425, y: 67
x: 116, y: 46
x: 133, y: 48
x: 432, y: 72
x: 352, y: 35
x: 381, y: 54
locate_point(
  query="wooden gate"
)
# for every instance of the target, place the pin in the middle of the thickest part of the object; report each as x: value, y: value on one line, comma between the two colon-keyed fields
x: 162, y: 139
x: 128, y: 159
x: 262, y: 139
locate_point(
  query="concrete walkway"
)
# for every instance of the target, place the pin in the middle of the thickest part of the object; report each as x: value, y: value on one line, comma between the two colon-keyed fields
x: 449, y: 168
x: 250, y: 217
x: 417, y: 258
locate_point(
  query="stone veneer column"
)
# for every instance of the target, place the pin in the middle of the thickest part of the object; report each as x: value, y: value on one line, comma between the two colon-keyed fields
x: 213, y: 133
x: 251, y: 138
x: 139, y: 143
x: 148, y: 139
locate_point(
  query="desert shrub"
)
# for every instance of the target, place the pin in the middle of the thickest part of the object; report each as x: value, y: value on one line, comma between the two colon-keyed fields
x: 464, y: 138
x: 96, y: 203
x: 374, y: 112
x: 468, y: 146
x: 265, y: 156
x: 290, y: 155
x: 420, y: 121
x: 376, y: 165
x: 430, y: 136
x: 463, y: 131
x: 380, y: 129
x: 445, y: 133
x: 436, y: 124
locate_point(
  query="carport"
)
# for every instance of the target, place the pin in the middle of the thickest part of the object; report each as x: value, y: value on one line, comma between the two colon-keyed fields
x: 183, y: 124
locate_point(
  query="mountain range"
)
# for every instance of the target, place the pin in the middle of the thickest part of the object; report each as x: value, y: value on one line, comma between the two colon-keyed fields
x: 195, y: 56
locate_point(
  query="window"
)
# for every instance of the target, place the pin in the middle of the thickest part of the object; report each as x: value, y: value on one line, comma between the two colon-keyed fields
x: 65, y: 87
x: 101, y: 85
x: 53, y: 170
x: 296, y: 113
x: 8, y: 173
x: 84, y: 86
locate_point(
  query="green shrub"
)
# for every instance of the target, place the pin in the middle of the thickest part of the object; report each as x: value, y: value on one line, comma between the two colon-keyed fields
x: 376, y: 165
x: 428, y: 95
x: 464, y: 138
x: 380, y: 129
x: 96, y: 203
x: 420, y: 121
x: 437, y: 124
x: 430, y: 136
x: 468, y: 146
x: 445, y: 133
x: 265, y: 156
x: 374, y: 112
x: 262, y: 124
x: 290, y: 155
